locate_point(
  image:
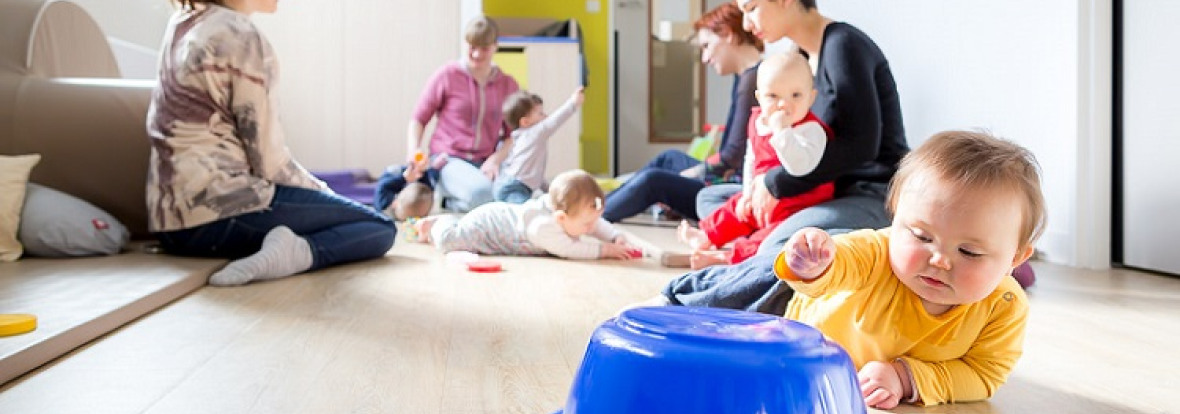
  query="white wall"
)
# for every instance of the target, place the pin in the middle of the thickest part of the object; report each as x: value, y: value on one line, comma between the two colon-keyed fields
x: 717, y: 87
x: 1027, y: 71
x: 141, y: 22
x: 351, y: 71
x: 134, y: 29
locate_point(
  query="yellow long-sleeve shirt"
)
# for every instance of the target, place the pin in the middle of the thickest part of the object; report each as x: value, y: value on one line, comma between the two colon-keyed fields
x: 961, y: 355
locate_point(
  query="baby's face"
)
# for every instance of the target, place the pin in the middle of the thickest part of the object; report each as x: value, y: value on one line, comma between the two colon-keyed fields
x: 951, y: 246
x: 535, y: 116
x: 582, y: 222
x: 787, y: 90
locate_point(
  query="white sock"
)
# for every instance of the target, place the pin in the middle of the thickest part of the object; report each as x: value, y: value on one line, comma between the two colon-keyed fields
x: 283, y: 254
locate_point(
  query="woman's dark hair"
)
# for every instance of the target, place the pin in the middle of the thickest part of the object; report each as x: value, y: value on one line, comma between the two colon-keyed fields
x: 725, y: 20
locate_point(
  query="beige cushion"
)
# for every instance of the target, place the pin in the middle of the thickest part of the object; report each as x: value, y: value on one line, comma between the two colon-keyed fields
x: 53, y: 39
x: 14, y: 175
x: 92, y: 135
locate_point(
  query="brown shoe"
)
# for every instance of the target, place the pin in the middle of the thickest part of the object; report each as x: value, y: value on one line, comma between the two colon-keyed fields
x: 676, y: 260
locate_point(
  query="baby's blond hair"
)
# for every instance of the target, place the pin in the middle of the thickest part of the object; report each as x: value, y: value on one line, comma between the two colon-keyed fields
x: 779, y: 64
x: 977, y: 160
x: 415, y: 200
x: 575, y: 191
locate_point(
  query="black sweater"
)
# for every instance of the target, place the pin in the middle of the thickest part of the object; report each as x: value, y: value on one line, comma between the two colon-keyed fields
x: 858, y: 99
x: 742, y: 99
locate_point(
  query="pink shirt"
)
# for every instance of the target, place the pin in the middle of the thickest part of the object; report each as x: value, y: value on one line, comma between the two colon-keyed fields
x: 470, y: 118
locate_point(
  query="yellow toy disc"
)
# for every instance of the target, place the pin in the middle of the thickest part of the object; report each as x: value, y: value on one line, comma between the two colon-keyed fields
x: 17, y: 323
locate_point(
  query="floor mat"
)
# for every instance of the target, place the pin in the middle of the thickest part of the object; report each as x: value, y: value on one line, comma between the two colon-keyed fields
x: 78, y: 299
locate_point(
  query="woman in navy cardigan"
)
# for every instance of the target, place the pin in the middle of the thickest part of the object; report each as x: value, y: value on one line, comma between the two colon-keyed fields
x: 673, y: 178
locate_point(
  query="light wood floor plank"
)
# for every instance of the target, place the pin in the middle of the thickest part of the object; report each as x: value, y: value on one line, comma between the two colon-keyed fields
x: 411, y: 333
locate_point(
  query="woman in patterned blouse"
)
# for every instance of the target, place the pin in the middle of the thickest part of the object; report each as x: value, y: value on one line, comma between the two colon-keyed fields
x: 222, y: 182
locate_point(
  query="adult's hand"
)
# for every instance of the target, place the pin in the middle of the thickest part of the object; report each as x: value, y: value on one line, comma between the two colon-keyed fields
x: 743, y: 207
x: 415, y: 170
x: 761, y: 201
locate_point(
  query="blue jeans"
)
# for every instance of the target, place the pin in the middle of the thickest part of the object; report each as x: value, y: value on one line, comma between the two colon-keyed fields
x: 751, y: 285
x: 650, y: 186
x: 463, y: 186
x: 711, y: 198
x: 511, y: 190
x: 338, y: 230
x: 392, y: 182
x: 658, y: 182
x: 673, y: 160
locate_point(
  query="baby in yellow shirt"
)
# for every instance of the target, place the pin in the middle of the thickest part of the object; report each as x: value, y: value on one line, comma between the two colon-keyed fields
x: 926, y: 307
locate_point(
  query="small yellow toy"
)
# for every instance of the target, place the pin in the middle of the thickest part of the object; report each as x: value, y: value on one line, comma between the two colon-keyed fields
x: 17, y: 323
x: 410, y: 230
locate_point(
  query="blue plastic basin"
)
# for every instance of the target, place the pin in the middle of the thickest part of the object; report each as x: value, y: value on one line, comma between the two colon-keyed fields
x: 684, y: 360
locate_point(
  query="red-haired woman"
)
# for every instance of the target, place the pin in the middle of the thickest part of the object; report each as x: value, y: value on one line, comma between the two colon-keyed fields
x: 666, y: 178
x: 858, y: 99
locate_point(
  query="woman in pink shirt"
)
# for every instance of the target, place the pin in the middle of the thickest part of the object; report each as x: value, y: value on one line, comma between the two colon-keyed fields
x: 466, y: 96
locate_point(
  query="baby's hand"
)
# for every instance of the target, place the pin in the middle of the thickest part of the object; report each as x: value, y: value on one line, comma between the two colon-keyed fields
x: 579, y: 96
x: 622, y: 241
x: 880, y: 385
x: 809, y: 252
x: 777, y: 121
x: 490, y: 170
x: 614, y: 251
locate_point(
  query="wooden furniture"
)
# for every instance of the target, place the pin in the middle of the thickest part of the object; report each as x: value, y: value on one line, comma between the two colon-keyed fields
x: 551, y: 67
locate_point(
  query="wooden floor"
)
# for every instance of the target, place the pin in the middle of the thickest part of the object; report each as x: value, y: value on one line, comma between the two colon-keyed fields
x: 413, y: 334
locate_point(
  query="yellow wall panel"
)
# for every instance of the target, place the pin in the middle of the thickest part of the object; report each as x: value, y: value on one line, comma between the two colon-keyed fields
x: 596, y: 40
x: 515, y: 64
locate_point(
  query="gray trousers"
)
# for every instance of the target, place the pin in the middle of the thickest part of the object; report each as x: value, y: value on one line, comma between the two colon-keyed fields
x: 751, y: 285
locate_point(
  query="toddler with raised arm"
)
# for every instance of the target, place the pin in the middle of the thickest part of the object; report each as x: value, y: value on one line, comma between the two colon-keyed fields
x: 523, y: 170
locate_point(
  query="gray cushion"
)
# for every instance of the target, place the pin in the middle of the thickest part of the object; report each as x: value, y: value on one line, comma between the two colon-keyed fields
x: 56, y: 224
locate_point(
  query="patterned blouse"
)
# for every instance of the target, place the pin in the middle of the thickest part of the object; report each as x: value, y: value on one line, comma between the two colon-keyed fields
x: 217, y: 147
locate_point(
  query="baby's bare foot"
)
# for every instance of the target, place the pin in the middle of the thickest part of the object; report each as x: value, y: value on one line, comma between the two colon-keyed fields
x: 422, y: 228
x: 692, y: 236
x: 704, y: 258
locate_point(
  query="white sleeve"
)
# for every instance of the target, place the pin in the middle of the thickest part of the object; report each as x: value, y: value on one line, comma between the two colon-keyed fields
x: 549, y: 125
x: 800, y: 148
x: 547, y: 234
x: 605, y: 231
x: 748, y: 170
